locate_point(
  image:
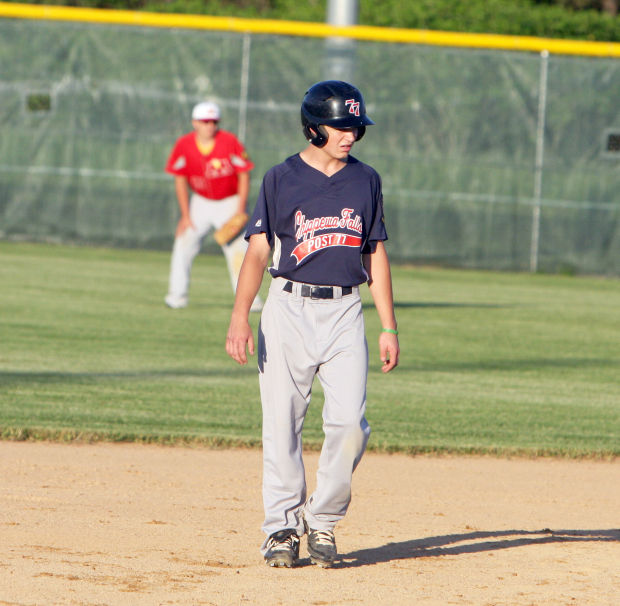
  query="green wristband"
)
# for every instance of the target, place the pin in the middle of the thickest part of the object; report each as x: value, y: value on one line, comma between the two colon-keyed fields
x: 390, y: 330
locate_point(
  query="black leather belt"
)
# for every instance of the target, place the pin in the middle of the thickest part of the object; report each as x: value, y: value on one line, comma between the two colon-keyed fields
x: 317, y: 292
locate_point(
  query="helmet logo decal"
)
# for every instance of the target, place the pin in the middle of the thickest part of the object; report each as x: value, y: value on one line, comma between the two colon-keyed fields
x: 354, y: 106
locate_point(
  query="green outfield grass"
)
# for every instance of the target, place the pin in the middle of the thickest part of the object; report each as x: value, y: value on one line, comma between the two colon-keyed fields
x: 491, y: 362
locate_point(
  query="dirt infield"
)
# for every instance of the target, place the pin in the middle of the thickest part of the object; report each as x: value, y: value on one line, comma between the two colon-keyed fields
x: 131, y: 524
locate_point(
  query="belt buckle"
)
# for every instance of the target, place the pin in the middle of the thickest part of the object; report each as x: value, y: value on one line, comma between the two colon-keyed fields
x: 321, y: 292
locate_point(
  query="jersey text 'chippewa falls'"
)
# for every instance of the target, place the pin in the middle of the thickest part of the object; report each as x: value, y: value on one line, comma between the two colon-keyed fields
x: 305, y: 229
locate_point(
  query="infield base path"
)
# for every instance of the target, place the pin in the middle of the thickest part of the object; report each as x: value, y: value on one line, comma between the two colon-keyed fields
x: 124, y: 524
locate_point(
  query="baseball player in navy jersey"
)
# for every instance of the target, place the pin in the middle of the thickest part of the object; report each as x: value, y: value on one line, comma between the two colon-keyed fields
x: 319, y: 218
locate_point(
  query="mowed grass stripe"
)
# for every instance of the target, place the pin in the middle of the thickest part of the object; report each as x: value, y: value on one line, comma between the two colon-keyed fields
x: 507, y: 364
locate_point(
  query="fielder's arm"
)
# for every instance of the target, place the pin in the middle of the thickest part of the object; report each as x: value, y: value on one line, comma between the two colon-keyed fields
x: 181, y: 187
x: 377, y: 266
x: 250, y: 278
x: 243, y: 190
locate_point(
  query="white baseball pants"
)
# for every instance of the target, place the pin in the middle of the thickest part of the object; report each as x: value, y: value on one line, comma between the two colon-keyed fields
x: 299, y: 338
x: 205, y: 215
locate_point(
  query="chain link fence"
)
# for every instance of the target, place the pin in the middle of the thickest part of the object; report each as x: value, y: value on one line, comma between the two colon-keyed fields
x: 490, y: 159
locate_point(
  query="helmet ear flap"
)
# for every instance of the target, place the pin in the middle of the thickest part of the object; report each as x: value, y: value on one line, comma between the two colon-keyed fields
x: 361, y: 131
x: 316, y: 134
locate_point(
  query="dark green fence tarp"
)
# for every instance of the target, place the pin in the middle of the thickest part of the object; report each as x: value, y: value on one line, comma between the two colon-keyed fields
x: 88, y: 114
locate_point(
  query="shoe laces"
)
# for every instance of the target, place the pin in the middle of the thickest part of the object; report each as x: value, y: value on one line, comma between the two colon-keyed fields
x: 323, y: 537
x: 287, y: 542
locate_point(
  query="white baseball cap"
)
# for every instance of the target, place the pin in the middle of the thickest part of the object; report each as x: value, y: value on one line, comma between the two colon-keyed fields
x: 207, y: 110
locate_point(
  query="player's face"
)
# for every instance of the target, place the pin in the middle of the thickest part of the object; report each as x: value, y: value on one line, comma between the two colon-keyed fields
x: 339, y: 142
x: 206, y: 129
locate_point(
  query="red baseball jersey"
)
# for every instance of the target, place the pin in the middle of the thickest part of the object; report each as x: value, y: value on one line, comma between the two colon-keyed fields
x: 214, y: 175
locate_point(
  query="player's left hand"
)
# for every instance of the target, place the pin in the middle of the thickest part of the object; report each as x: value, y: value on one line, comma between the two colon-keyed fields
x: 389, y: 350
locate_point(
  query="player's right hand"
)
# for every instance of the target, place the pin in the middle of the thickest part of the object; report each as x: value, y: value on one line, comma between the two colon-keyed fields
x: 183, y: 224
x: 239, y: 335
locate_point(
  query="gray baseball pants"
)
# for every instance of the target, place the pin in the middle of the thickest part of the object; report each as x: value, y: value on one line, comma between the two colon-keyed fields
x: 206, y: 215
x: 299, y: 338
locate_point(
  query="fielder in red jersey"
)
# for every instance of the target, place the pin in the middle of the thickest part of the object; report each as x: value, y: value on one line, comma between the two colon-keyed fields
x: 214, y: 175
x: 211, y: 171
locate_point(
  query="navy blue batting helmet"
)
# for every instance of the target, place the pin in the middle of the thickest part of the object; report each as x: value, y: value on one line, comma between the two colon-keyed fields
x: 332, y: 103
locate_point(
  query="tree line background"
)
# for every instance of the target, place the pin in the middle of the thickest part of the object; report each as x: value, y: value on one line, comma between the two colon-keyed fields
x: 595, y: 20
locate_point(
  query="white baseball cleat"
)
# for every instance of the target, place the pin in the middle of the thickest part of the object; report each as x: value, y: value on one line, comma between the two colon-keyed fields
x: 257, y: 304
x: 176, y: 302
x: 322, y: 547
x: 282, y: 549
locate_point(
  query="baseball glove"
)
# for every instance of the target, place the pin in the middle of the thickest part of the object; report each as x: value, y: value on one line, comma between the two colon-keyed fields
x: 231, y: 229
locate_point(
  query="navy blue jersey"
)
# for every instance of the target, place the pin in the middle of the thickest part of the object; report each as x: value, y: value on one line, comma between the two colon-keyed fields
x: 319, y: 226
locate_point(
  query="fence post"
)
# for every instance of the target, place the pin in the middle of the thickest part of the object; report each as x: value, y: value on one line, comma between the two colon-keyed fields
x: 340, y: 52
x: 538, y: 169
x: 244, y: 85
